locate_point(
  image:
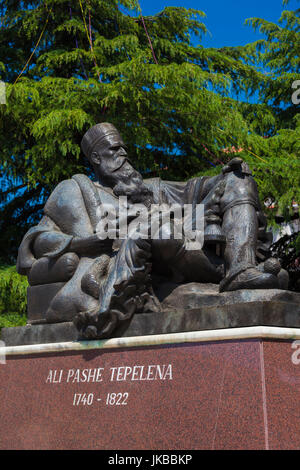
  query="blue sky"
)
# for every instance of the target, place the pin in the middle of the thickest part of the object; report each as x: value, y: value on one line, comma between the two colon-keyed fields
x: 225, y: 18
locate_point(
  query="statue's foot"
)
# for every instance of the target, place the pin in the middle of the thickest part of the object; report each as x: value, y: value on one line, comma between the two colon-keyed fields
x: 133, y: 296
x: 90, y: 285
x: 91, y: 281
x: 251, y: 278
x: 92, y: 325
x: 272, y: 266
x: 283, y: 278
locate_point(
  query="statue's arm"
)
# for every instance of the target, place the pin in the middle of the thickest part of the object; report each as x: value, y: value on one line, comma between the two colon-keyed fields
x: 52, y: 244
x: 45, y: 239
x: 90, y: 245
x: 55, y: 235
x: 74, y: 232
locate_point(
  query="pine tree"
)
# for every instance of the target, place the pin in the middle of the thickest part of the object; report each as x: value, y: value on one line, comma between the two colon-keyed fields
x: 278, y: 58
x: 174, y: 103
x: 274, y: 121
x: 95, y: 62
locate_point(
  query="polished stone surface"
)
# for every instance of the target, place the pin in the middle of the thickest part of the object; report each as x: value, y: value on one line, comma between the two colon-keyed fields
x: 282, y: 376
x: 252, y: 332
x: 255, y: 404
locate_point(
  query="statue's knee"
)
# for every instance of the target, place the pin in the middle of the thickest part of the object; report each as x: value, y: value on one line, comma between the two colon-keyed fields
x: 67, y: 264
x: 239, y: 188
x: 46, y: 270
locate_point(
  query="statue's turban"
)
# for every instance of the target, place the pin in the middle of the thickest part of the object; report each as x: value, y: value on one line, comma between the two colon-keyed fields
x: 96, y: 134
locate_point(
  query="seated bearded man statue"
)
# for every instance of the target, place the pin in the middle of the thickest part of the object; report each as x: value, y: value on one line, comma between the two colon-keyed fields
x: 105, y: 281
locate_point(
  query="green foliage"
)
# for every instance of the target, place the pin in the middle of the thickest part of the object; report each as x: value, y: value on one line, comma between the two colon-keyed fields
x: 167, y: 104
x: 12, y: 319
x: 13, y: 288
x: 176, y: 105
x: 275, y: 124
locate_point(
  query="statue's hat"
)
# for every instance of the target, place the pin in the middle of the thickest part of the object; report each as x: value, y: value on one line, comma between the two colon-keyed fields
x: 96, y: 134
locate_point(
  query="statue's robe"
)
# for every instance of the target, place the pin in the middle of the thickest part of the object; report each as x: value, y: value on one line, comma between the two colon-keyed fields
x: 71, y: 211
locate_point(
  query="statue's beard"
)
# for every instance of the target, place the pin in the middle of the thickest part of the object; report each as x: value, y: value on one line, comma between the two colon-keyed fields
x: 134, y: 188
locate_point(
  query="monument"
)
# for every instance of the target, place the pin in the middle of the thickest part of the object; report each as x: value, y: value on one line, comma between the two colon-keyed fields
x: 150, y: 293
x: 99, y: 284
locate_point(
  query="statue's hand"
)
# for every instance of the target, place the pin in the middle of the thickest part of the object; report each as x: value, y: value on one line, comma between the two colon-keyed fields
x: 234, y: 165
x: 212, y: 201
x: 92, y: 244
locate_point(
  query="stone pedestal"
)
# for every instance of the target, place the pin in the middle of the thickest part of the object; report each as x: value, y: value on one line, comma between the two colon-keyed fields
x: 223, y: 389
x: 188, y: 307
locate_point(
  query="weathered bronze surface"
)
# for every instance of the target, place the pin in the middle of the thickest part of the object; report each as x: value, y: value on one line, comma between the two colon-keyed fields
x: 101, y: 283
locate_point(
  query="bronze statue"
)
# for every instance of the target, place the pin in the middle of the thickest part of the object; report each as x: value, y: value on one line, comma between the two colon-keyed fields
x: 103, y: 282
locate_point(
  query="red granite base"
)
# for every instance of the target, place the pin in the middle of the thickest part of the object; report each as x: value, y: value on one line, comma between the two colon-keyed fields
x: 239, y: 394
